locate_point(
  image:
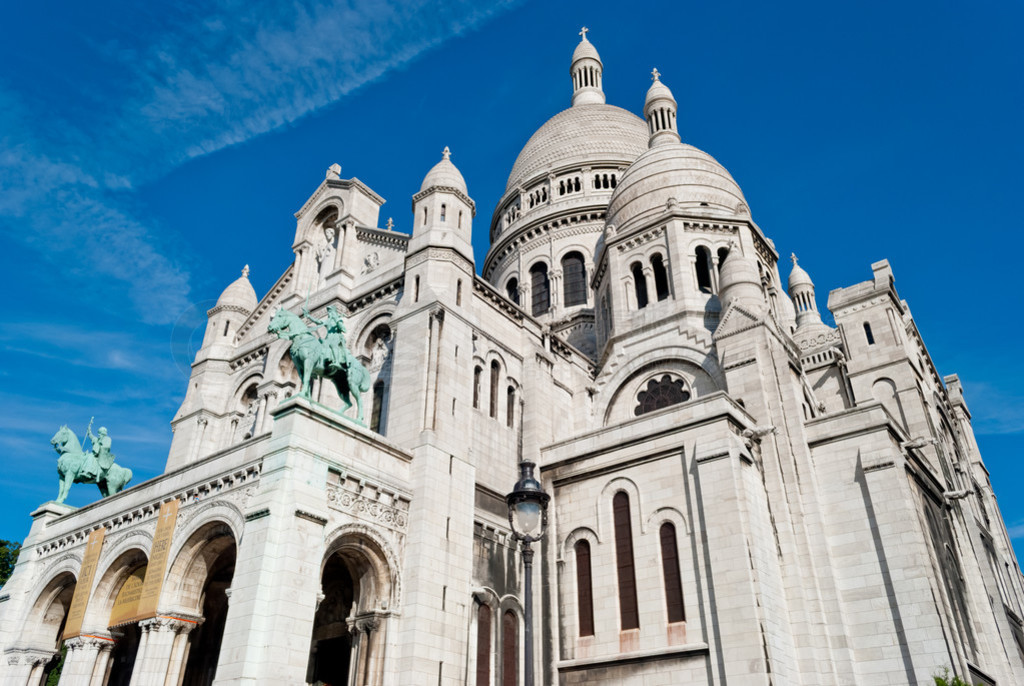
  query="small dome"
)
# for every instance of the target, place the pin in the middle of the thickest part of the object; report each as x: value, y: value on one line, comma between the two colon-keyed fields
x: 674, y: 174
x: 444, y: 173
x: 585, y: 49
x: 658, y: 91
x: 239, y: 294
x: 799, y: 277
x: 738, y: 278
x: 578, y: 135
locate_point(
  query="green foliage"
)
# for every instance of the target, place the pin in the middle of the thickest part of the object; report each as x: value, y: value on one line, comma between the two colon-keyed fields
x: 8, y: 557
x: 944, y: 679
x: 54, y: 676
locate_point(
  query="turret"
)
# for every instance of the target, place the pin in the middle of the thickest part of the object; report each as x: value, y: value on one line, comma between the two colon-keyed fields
x: 443, y: 211
x: 586, y: 70
x: 801, y: 291
x: 233, y: 307
x: 738, y: 280
x: 660, y: 112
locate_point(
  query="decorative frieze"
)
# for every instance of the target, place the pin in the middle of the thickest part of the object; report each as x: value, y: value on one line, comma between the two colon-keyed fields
x: 369, y: 502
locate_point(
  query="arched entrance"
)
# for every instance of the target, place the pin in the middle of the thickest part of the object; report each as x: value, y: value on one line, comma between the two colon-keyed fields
x: 350, y: 625
x: 125, y: 627
x: 330, y: 655
x: 44, y: 630
x: 197, y: 589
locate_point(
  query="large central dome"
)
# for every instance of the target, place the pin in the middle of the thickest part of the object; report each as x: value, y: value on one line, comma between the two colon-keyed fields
x: 578, y: 135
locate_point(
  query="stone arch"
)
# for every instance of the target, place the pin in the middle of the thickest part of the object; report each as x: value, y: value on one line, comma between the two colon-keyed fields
x: 328, y: 210
x: 884, y: 391
x: 196, y: 556
x: 698, y: 369
x: 124, y: 560
x: 375, y: 564
x: 668, y: 514
x: 580, y: 533
x: 44, y: 622
x: 604, y: 505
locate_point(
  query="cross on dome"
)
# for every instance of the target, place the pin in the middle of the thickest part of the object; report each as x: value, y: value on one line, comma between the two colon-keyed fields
x: 446, y: 153
x: 245, y: 271
x: 583, y: 32
x: 655, y: 74
x: 391, y: 224
x: 792, y: 256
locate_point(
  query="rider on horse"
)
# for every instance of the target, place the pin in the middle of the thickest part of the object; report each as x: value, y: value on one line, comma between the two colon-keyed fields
x: 334, y: 341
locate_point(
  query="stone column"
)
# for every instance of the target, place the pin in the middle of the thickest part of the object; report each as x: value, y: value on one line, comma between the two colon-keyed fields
x: 168, y: 636
x: 176, y: 665
x: 25, y: 666
x: 81, y: 658
x: 102, y: 668
x: 268, y: 398
x: 146, y: 627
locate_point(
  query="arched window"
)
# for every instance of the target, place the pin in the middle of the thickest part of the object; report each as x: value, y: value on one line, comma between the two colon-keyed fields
x: 495, y: 373
x: 483, y: 645
x: 477, y: 373
x: 512, y: 288
x: 378, y: 404
x: 509, y: 649
x: 561, y: 187
x: 703, y: 269
x: 540, y: 288
x: 584, y: 588
x: 628, y: 614
x: 868, y: 335
x: 640, y: 283
x: 660, y: 277
x: 574, y: 272
x: 510, y: 409
x: 661, y: 393
x: 722, y: 254
x: 670, y: 571
x: 444, y: 211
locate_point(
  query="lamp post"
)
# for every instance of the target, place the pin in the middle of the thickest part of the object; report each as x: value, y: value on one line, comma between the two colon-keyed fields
x: 528, y: 516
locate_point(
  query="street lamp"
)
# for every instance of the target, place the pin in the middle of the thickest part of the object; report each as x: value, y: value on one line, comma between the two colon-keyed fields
x: 528, y: 517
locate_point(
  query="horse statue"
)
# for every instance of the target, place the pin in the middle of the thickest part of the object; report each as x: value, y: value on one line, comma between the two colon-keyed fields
x: 95, y: 466
x: 327, y: 358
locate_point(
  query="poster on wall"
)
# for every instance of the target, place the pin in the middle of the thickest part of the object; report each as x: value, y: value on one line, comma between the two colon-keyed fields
x: 86, y: 576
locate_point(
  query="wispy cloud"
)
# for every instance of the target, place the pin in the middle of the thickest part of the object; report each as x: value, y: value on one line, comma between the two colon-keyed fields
x: 994, y: 409
x: 186, y: 86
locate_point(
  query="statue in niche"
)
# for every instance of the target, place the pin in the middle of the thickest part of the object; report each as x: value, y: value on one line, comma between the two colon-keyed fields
x: 379, y: 354
x: 95, y: 466
x: 249, y: 420
x: 325, y: 358
x: 326, y: 249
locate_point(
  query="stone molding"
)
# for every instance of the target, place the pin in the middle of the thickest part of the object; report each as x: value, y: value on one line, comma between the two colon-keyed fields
x: 375, y: 508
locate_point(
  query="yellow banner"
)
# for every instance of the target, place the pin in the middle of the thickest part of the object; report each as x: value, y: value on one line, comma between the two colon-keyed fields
x: 126, y: 604
x: 158, y: 560
x: 83, y: 588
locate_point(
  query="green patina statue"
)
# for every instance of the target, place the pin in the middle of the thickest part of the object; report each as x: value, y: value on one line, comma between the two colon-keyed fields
x: 327, y: 357
x: 95, y: 466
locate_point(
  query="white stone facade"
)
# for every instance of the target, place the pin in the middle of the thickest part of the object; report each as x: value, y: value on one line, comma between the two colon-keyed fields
x: 741, y: 494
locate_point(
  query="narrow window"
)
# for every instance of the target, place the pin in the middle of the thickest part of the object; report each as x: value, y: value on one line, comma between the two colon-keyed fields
x: 458, y: 292
x: 722, y: 254
x: 574, y: 286
x: 640, y: 283
x: 670, y: 570
x: 510, y: 408
x: 540, y: 288
x: 584, y: 589
x: 424, y: 216
x: 561, y: 187
x: 226, y: 325
x: 868, y: 335
x: 604, y: 181
x: 416, y: 290
x: 477, y: 372
x: 444, y: 211
x: 460, y: 219
x: 628, y: 614
x: 512, y: 288
x: 378, y: 403
x: 483, y: 646
x: 509, y: 649
x: 660, y: 277
x: 703, y: 269
x: 577, y: 184
x: 495, y: 373
x: 597, y: 180
x: 614, y: 182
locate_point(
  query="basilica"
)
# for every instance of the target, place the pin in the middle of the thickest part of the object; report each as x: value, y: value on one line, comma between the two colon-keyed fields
x: 741, y: 493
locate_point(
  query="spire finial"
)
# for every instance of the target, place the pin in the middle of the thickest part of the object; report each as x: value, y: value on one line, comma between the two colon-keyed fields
x: 391, y: 224
x: 655, y: 74
x: 583, y: 32
x: 792, y: 256
x: 245, y: 271
x: 446, y: 153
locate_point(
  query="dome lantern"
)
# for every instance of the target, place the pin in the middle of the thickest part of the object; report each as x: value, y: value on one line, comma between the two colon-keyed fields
x: 660, y: 112
x: 801, y: 292
x: 586, y: 71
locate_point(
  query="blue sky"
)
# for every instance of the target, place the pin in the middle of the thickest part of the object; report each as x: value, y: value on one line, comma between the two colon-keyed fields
x: 147, y: 153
